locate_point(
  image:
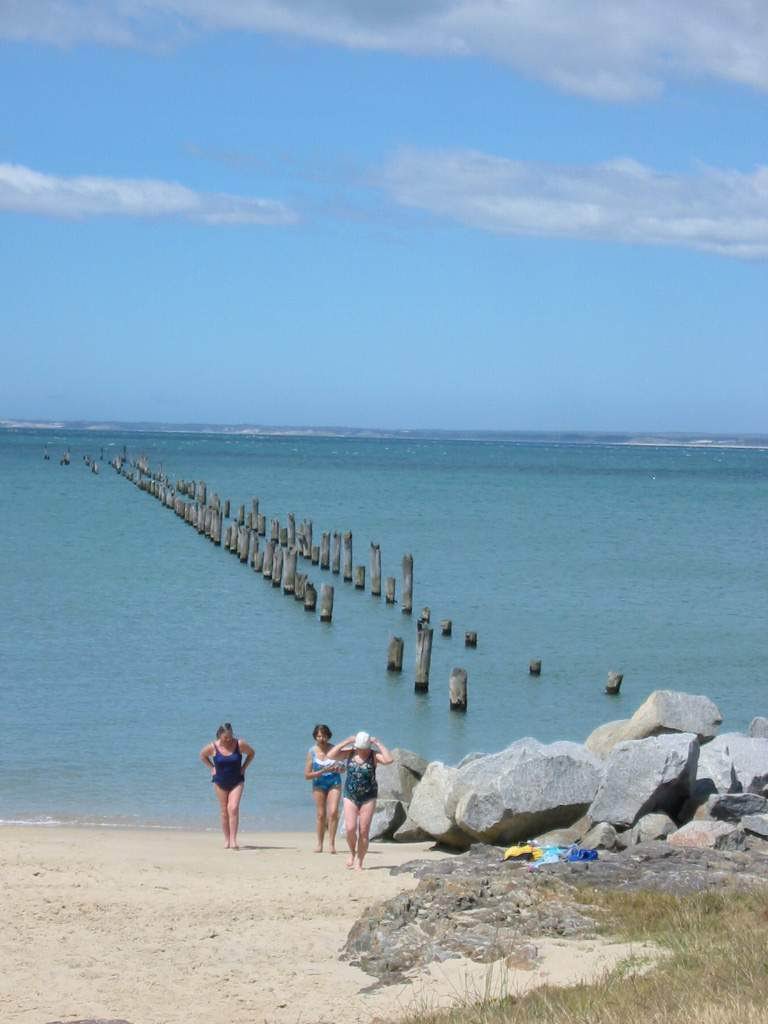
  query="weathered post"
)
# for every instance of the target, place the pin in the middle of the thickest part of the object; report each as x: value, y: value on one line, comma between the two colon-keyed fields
x: 326, y: 602
x: 389, y: 589
x: 470, y: 639
x: 348, y: 556
x: 310, y: 597
x: 254, y: 511
x: 289, y: 571
x: 241, y: 516
x: 308, y: 538
x: 446, y: 627
x: 258, y: 560
x: 325, y: 551
x: 407, y: 584
x: 261, y: 525
x: 277, y: 566
x: 300, y: 587
x: 425, y: 616
x: 226, y: 509
x: 375, y: 570
x: 359, y: 577
x: 283, y: 536
x: 534, y: 667
x: 291, y: 530
x: 457, y: 689
x: 315, y: 554
x: 423, y: 659
x: 395, y: 654
x: 276, y: 531
x: 613, y: 685
x: 336, y: 556
x: 254, y: 550
x: 269, y: 556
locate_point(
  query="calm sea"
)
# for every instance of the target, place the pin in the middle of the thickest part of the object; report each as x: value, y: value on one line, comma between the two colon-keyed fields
x: 127, y: 638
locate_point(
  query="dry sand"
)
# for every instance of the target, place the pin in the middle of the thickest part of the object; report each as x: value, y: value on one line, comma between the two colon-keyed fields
x: 165, y: 927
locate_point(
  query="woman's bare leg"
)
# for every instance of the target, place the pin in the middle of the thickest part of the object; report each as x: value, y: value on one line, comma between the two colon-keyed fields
x: 350, y: 827
x: 364, y: 828
x: 319, y: 796
x: 222, y: 796
x: 332, y: 810
x: 233, y: 809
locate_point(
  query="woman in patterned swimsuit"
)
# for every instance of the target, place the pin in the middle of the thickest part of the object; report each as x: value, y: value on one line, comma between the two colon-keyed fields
x: 360, y: 790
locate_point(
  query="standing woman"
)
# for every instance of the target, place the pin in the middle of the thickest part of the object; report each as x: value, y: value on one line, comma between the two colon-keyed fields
x: 224, y: 759
x: 360, y: 790
x: 326, y: 786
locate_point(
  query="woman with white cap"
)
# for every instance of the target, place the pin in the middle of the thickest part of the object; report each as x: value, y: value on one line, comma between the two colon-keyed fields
x: 360, y: 790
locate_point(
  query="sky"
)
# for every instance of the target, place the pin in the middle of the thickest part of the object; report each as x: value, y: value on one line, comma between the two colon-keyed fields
x: 461, y: 214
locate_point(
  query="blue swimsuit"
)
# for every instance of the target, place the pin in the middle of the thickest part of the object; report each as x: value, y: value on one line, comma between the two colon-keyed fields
x: 328, y: 779
x: 229, y: 768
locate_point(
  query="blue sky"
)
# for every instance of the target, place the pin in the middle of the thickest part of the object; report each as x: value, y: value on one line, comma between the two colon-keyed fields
x: 497, y: 214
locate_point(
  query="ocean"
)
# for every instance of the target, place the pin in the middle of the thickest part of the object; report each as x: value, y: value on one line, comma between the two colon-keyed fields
x: 127, y: 637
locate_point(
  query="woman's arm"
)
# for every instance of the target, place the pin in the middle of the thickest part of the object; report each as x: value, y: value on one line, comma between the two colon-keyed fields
x: 338, y: 749
x: 383, y: 756
x: 205, y: 756
x: 247, y: 749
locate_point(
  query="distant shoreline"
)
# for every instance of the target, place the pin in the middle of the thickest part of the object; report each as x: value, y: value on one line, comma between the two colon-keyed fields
x: 757, y: 442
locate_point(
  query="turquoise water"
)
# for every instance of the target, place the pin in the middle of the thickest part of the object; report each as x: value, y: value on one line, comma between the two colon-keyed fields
x: 127, y: 637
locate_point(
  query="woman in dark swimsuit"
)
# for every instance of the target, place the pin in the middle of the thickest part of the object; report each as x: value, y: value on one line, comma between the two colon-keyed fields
x: 227, y: 759
x: 360, y: 790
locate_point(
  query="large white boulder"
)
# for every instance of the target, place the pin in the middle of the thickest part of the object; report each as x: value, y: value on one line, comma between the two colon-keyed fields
x: 663, y: 712
x: 735, y: 763
x: 641, y: 776
x: 525, y: 790
x: 427, y: 809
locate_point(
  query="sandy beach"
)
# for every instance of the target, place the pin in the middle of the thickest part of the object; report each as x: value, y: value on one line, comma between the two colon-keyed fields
x: 160, y: 927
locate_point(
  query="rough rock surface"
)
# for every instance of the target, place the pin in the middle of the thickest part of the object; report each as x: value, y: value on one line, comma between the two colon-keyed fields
x: 736, y: 763
x: 717, y: 835
x: 601, y: 837
x: 387, y: 819
x: 650, y: 827
x: 476, y: 905
x: 757, y: 824
x: 733, y: 806
x: 398, y: 780
x: 409, y: 832
x: 427, y: 807
x: 654, y: 774
x: 663, y: 712
x: 524, y: 790
x: 758, y: 727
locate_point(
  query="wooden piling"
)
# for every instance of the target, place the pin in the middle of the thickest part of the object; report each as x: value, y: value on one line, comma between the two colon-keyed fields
x: 275, y: 527
x: 226, y: 508
x: 534, y: 667
x: 241, y: 516
x: 258, y: 559
x: 269, y: 555
x: 613, y: 685
x: 423, y: 659
x: 308, y: 538
x: 289, y: 570
x: 315, y: 554
x: 389, y: 589
x: 326, y: 602
x: 291, y: 530
x: 425, y: 616
x: 375, y: 570
x: 300, y: 586
x: 457, y: 690
x: 359, y: 577
x: 277, y: 566
x: 310, y: 597
x: 325, y: 551
x: 407, y: 599
x: 283, y: 536
x: 395, y: 649
x: 470, y: 639
x: 446, y: 627
x: 336, y: 555
x: 261, y: 525
x: 347, y: 539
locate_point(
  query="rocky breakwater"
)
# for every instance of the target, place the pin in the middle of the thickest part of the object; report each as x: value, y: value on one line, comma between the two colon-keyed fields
x: 671, y: 803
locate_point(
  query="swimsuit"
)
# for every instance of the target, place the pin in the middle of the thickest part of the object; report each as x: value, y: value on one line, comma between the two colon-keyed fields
x: 228, y: 767
x: 329, y: 779
x: 361, y: 785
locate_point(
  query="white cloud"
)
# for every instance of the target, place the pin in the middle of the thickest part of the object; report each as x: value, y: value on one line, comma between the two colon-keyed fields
x: 23, y: 190
x: 722, y: 211
x: 608, y: 49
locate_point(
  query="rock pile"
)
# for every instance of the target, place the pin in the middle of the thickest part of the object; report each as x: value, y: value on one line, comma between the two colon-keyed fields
x: 664, y: 774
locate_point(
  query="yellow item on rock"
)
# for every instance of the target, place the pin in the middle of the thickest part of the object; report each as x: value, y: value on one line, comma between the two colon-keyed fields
x: 525, y: 850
